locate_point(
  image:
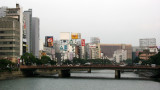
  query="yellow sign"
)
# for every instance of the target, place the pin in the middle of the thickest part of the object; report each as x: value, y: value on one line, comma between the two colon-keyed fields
x: 74, y: 35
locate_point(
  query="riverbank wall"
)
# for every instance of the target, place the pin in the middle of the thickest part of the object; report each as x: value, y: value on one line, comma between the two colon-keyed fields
x: 17, y: 74
x: 10, y: 75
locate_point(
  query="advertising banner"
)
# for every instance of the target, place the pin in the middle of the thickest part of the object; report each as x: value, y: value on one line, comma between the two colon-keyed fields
x: 65, y: 48
x: 92, y: 45
x: 49, y: 41
x: 74, y: 35
x: 83, y: 42
x: 64, y: 35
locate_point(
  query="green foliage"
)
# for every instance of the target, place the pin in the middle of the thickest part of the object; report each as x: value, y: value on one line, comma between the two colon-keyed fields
x: 155, y: 59
x: 38, y: 61
x: 128, y: 61
x: 78, y: 61
x: 66, y: 62
x: 45, y: 59
x: 52, y: 62
x: 5, y: 65
x: 145, y: 62
x: 93, y: 61
x: 99, y: 61
x: 28, y: 58
x: 136, y: 60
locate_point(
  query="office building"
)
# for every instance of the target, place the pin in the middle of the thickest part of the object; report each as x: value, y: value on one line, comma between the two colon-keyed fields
x: 147, y: 42
x: 35, y: 37
x: 108, y: 50
x: 9, y: 38
x: 95, y: 40
x: 120, y: 55
x: 27, y: 17
x: 3, y: 11
x: 11, y: 28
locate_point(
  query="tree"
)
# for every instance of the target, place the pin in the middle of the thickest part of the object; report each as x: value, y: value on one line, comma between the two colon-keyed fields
x: 52, y: 62
x: 28, y: 58
x: 45, y: 59
x: 66, y: 62
x: 5, y: 65
x: 128, y: 61
x: 38, y: 61
x: 136, y: 60
x: 155, y: 59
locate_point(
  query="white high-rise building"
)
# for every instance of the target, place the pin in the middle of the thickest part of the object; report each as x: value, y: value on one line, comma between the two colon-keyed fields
x: 35, y: 37
x: 120, y: 55
x: 27, y: 30
x: 147, y: 42
x: 3, y: 11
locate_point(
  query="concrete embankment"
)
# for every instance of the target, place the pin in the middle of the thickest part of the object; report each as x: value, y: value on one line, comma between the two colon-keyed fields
x: 17, y: 74
x: 45, y: 72
x: 10, y: 75
x: 151, y: 74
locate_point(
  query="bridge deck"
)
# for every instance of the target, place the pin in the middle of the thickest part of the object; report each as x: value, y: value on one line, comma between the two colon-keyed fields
x: 90, y: 67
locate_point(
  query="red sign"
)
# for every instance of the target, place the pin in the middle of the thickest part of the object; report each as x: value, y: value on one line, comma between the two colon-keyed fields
x: 49, y: 41
x: 83, y: 42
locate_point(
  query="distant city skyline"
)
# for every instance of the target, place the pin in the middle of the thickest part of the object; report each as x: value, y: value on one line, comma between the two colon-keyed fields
x: 113, y: 21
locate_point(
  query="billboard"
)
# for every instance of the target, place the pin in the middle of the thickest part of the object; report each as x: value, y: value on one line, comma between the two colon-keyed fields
x: 65, y: 48
x: 49, y: 41
x: 92, y: 45
x: 82, y: 42
x: 64, y: 35
x: 76, y: 35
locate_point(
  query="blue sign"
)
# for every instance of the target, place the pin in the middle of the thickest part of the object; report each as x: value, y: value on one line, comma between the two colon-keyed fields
x: 65, y: 47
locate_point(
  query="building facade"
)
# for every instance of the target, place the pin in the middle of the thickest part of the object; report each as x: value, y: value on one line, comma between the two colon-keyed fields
x: 120, y: 55
x: 12, y: 33
x: 35, y: 37
x: 108, y: 50
x: 27, y: 31
x: 147, y: 42
x: 3, y: 11
x: 147, y: 53
x: 9, y: 38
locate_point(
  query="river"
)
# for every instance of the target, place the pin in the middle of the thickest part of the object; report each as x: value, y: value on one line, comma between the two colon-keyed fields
x: 97, y: 80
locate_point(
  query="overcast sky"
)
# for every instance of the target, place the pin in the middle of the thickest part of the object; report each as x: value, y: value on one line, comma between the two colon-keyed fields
x: 113, y: 21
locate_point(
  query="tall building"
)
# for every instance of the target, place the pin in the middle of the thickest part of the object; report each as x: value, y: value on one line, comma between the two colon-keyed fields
x: 120, y: 55
x: 108, y: 49
x: 27, y: 31
x: 11, y: 32
x: 94, y: 51
x: 3, y: 11
x: 17, y: 13
x: 9, y: 38
x: 95, y: 40
x: 147, y: 42
x: 35, y: 37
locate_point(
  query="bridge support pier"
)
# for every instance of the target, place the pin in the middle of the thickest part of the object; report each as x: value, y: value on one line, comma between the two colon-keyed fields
x: 28, y: 72
x: 117, y: 74
x: 89, y: 70
x: 64, y: 73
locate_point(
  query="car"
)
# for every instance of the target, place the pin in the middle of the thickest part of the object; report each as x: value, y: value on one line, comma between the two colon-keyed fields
x: 86, y: 64
x: 77, y: 65
x: 122, y: 65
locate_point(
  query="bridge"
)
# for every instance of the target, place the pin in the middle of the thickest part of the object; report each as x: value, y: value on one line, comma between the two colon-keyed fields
x: 64, y: 70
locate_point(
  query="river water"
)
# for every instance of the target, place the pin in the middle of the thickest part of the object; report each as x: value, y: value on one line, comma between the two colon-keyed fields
x: 97, y: 80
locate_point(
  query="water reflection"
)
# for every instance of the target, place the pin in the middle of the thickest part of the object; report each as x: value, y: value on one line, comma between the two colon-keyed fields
x: 40, y: 83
